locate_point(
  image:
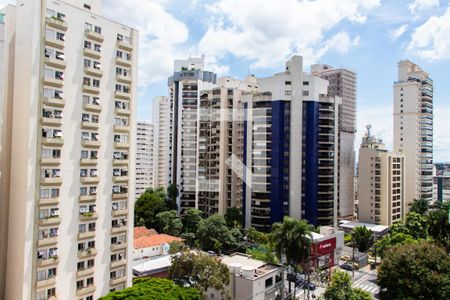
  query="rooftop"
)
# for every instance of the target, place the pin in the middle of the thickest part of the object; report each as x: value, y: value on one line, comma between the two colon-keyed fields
x: 246, y: 262
x: 144, y: 238
x: 378, y: 229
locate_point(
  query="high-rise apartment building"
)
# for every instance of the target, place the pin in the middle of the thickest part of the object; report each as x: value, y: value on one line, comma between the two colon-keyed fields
x: 144, y: 157
x: 342, y: 83
x: 221, y: 145
x: 381, y: 182
x: 162, y: 141
x: 290, y: 146
x: 72, y: 84
x: 413, y: 129
x: 185, y: 84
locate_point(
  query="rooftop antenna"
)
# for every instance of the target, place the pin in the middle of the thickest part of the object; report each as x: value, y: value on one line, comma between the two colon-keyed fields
x: 368, y: 130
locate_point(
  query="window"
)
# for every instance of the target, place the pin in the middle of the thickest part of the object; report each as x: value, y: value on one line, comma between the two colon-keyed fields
x: 87, y: 6
x: 287, y: 92
x: 305, y: 93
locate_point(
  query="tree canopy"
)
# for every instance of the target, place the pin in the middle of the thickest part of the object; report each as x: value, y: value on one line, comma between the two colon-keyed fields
x: 213, y: 234
x: 200, y: 270
x: 415, y: 271
x: 233, y: 216
x: 148, y: 205
x: 169, y: 223
x: 340, y: 288
x: 419, y: 206
x: 154, y: 289
x: 362, y: 238
x: 292, y: 239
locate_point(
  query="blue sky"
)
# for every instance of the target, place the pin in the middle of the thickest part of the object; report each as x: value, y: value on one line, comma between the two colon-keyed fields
x: 238, y: 37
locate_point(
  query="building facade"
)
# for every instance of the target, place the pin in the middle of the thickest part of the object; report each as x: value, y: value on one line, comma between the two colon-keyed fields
x: 74, y: 75
x: 162, y: 141
x: 342, y: 83
x: 413, y: 129
x: 381, y: 183
x: 144, y: 157
x: 188, y: 80
x: 441, y: 188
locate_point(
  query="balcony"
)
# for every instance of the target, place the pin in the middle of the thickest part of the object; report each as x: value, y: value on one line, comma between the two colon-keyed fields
x: 120, y: 128
x: 120, y: 145
x: 47, y: 282
x: 119, y: 263
x: 115, y: 230
x: 89, y: 125
x: 90, y: 144
x: 120, y: 196
x: 86, y: 290
x: 94, y: 35
x: 86, y: 235
x: 52, y: 261
x: 51, y: 121
x: 92, y: 53
x: 122, y: 111
x: 50, y: 221
x: 115, y: 247
x: 124, y: 46
x: 88, y: 161
x: 56, y: 22
x: 92, y: 107
x: 120, y: 178
x: 87, y: 180
x: 50, y: 161
x: 120, y: 212
x: 120, y: 162
x: 88, y: 198
x: 49, y: 201
x: 48, y: 241
x: 87, y: 253
x: 122, y: 95
x: 51, y: 181
x: 93, y: 71
x: 54, y: 102
x: 123, y: 62
x: 91, y: 89
x: 85, y: 272
x: 88, y: 216
x: 117, y: 281
x: 124, y: 79
x: 56, y: 63
x: 50, y: 81
x: 53, y: 42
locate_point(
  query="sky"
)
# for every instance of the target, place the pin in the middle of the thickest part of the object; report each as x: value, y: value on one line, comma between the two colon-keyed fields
x: 256, y: 37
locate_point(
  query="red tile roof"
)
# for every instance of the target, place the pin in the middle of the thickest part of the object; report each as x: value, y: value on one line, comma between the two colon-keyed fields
x: 144, y: 238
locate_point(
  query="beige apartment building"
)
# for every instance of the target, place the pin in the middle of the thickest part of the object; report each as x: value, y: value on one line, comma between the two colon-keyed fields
x: 69, y: 122
x: 381, y: 181
x: 144, y: 157
x: 413, y: 129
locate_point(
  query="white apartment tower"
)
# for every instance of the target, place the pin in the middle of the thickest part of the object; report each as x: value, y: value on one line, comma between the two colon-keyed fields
x: 188, y: 80
x: 381, y: 182
x: 162, y: 141
x: 144, y: 157
x: 71, y: 84
x: 413, y: 129
x: 342, y: 83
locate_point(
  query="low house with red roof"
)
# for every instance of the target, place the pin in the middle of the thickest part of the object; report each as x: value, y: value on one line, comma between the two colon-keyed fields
x: 148, y: 244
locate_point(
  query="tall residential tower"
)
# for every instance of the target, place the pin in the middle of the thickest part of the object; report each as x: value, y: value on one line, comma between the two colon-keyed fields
x: 413, y: 129
x: 72, y: 86
x: 144, y: 157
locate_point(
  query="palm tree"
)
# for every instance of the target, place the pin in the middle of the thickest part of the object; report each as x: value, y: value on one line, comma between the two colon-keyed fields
x: 419, y: 206
x: 292, y: 239
x: 362, y: 238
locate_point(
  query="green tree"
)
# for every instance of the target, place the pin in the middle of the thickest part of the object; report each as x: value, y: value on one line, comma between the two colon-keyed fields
x: 213, y: 234
x: 154, y: 289
x: 415, y: 271
x: 177, y: 246
x: 264, y: 253
x: 202, y: 270
x: 233, y: 216
x: 191, y: 219
x: 169, y: 223
x: 340, y: 288
x: 416, y: 225
x: 172, y: 194
x: 362, y: 238
x: 257, y: 237
x: 147, y: 206
x: 391, y: 240
x: 438, y: 226
x: 419, y: 206
x: 292, y: 239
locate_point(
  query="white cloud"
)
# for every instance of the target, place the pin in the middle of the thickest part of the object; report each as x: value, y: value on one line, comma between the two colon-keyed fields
x: 267, y: 34
x: 5, y: 2
x: 419, y: 5
x: 160, y: 35
x: 381, y: 119
x: 398, y: 32
x: 431, y: 39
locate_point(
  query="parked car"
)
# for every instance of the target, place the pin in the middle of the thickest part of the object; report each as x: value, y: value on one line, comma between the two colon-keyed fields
x: 347, y: 267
